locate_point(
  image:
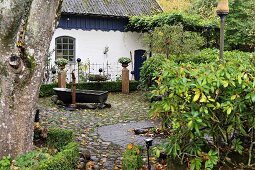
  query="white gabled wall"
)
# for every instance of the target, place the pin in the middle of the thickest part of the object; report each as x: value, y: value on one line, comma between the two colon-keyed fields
x: 90, y: 45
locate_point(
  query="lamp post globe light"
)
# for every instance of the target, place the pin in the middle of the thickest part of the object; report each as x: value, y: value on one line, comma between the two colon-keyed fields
x: 78, y: 61
x: 222, y: 11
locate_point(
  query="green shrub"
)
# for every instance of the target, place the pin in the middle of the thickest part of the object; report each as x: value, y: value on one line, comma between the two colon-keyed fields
x: 58, y: 138
x: 46, y: 90
x: 5, y: 163
x: 132, y: 158
x: 65, y: 159
x: 151, y: 69
x: 31, y: 159
x: 97, y: 77
x: 210, y: 107
x: 203, y: 56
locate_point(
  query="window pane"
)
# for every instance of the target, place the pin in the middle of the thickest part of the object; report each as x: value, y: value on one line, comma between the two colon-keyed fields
x: 59, y: 40
x: 71, y: 47
x: 65, y: 46
x: 70, y: 41
x: 65, y: 52
x: 59, y: 46
x: 59, y: 53
x: 71, y: 52
x: 65, y: 40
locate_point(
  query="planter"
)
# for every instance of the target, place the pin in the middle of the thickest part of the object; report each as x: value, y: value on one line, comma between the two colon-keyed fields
x: 82, y: 96
x: 124, y: 64
x: 97, y: 77
x: 62, y: 67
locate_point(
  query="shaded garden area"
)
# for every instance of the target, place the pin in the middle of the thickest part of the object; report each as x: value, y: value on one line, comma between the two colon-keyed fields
x: 197, y: 108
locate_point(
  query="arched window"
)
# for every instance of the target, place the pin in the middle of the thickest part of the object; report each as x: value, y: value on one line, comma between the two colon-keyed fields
x: 65, y: 48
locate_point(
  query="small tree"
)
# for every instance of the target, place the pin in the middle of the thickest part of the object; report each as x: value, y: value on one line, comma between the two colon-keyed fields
x: 173, y: 40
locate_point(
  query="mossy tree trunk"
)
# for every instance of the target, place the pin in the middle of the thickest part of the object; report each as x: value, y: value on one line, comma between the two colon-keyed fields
x: 26, y: 29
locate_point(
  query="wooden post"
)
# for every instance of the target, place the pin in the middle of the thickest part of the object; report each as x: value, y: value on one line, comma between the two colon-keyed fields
x: 62, y: 79
x: 125, y: 80
x: 73, y: 90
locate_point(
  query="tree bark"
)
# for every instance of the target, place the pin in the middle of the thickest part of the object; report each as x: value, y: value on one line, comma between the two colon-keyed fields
x: 26, y: 29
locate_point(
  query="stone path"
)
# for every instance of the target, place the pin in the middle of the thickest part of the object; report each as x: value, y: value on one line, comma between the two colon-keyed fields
x: 102, y: 132
x: 122, y: 134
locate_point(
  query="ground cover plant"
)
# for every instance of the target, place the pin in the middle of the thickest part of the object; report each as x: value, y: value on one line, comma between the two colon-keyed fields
x: 56, y: 150
x: 132, y: 158
x: 209, y: 110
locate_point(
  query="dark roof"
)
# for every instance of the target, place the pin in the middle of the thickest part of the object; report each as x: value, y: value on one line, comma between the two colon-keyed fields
x: 120, y: 8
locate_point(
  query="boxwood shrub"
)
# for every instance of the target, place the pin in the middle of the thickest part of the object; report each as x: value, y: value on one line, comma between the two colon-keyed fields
x: 58, y: 138
x: 111, y: 86
x: 65, y: 159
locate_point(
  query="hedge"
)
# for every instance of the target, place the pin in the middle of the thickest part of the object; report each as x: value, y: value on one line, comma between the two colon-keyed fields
x: 66, y: 159
x: 58, y: 138
x: 46, y: 90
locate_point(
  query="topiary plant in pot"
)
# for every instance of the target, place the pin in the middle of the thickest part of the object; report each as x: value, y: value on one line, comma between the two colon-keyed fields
x: 124, y: 61
x: 61, y: 63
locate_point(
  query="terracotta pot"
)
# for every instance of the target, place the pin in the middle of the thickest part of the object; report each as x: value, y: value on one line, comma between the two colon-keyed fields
x: 124, y: 64
x: 62, y: 67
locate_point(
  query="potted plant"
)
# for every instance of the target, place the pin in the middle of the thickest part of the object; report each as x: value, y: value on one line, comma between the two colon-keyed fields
x: 124, y: 61
x: 61, y: 63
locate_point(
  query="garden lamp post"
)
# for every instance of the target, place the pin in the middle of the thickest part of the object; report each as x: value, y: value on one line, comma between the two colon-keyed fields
x: 148, y: 144
x: 222, y: 11
x: 78, y: 61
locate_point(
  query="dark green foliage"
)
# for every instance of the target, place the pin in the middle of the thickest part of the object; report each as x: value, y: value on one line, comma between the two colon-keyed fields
x: 240, y: 30
x: 58, y: 138
x: 189, y: 22
x: 46, y: 90
x: 65, y: 159
x: 5, y: 163
x: 151, y: 70
x: 31, y: 159
x: 173, y: 40
x: 203, y: 56
x: 97, y: 77
x: 111, y: 86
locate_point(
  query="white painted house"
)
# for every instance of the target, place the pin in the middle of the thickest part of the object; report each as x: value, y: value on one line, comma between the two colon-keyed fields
x: 94, y: 31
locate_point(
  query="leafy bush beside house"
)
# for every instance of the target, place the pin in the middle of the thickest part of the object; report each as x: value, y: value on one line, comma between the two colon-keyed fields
x: 153, y: 67
x: 210, y: 107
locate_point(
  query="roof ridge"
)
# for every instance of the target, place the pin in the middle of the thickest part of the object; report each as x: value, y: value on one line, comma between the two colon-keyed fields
x: 121, y: 8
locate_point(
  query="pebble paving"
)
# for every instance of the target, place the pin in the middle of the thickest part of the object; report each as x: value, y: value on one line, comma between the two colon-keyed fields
x: 103, y: 132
